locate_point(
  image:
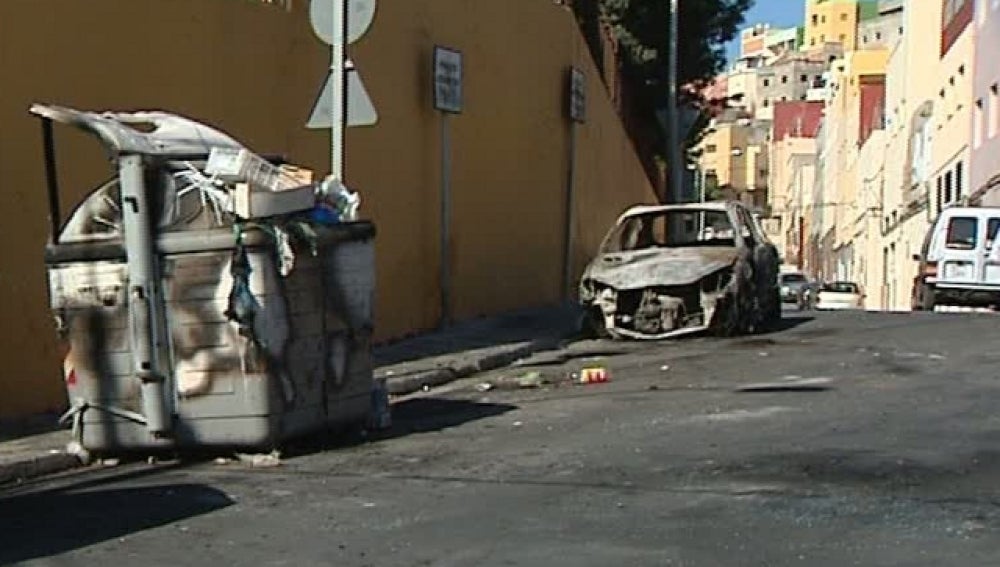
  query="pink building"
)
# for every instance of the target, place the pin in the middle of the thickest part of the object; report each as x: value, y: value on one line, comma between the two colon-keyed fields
x: 985, y: 164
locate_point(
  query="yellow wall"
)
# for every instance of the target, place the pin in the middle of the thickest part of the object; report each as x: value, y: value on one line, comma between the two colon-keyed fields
x: 254, y: 71
x: 836, y: 21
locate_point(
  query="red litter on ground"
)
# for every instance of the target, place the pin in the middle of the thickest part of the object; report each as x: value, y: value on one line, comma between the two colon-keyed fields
x: 597, y: 375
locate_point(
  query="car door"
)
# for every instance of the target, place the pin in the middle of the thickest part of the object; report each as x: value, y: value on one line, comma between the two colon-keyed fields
x: 961, y: 258
x: 991, y: 251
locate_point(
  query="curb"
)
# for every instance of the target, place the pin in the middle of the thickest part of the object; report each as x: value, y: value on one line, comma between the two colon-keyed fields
x: 403, y: 385
x: 37, y: 466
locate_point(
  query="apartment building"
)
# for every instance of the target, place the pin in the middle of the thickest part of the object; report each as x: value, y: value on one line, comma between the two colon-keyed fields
x: 985, y: 165
x: 835, y: 21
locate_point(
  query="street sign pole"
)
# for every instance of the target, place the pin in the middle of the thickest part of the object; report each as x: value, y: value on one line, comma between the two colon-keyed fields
x: 577, y: 105
x: 448, y: 71
x: 337, y: 75
x: 445, y: 221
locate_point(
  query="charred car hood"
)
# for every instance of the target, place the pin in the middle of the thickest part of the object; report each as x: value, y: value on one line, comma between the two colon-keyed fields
x: 662, y: 266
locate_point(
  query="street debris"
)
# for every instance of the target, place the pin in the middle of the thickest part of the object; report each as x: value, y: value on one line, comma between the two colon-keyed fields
x: 517, y: 424
x: 665, y: 367
x: 530, y: 380
x: 260, y: 460
x: 597, y: 375
x: 484, y: 387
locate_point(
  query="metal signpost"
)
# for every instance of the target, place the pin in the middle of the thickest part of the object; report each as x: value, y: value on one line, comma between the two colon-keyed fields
x: 343, y: 100
x: 675, y: 167
x: 447, y: 100
x: 577, y: 105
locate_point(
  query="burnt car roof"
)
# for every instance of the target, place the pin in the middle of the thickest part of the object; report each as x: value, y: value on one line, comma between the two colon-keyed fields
x: 638, y: 210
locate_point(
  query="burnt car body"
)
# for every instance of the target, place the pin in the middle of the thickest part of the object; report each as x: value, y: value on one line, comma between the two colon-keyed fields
x: 670, y: 270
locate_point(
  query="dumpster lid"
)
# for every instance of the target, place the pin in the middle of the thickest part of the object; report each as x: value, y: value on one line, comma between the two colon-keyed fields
x: 154, y: 133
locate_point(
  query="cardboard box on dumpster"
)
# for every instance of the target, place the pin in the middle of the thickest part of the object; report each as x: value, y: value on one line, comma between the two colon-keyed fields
x: 297, y: 175
x: 251, y: 204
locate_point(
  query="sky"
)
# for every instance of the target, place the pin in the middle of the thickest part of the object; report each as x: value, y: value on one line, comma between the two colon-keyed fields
x: 778, y: 13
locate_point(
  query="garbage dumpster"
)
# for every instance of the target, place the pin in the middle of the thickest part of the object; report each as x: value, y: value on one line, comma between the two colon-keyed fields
x: 188, y: 325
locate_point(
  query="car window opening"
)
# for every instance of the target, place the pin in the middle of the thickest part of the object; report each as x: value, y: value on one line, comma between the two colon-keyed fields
x: 672, y: 229
x: 962, y: 233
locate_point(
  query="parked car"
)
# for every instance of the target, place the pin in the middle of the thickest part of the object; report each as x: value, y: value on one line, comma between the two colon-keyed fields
x: 664, y: 271
x: 959, y: 262
x: 793, y: 284
x: 840, y: 296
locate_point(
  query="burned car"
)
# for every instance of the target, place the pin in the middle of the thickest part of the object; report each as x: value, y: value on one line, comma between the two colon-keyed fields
x: 665, y: 271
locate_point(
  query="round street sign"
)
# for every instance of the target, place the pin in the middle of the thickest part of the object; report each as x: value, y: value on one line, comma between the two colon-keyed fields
x: 360, y: 15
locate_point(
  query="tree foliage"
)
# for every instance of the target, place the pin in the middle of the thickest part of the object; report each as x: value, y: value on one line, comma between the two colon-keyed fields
x: 642, y: 28
x: 704, y: 28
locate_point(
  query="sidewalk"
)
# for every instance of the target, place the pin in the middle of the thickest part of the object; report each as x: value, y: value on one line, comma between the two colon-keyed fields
x: 407, y: 366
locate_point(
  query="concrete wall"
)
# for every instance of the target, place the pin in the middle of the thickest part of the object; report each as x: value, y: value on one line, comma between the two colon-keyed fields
x: 254, y: 71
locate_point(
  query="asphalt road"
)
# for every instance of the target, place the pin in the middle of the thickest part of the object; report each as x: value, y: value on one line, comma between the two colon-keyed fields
x: 889, y: 454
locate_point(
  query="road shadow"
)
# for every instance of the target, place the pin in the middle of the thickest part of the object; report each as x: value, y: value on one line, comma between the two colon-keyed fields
x: 43, y: 524
x: 409, y: 417
x: 790, y: 321
x: 539, y: 327
x: 38, y: 424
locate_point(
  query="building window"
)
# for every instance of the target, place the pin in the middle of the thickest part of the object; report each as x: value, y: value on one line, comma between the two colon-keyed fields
x: 977, y: 124
x: 843, y: 16
x: 878, y: 36
x: 843, y: 38
x: 822, y: 19
x: 812, y: 41
x: 804, y: 78
x: 958, y: 180
x: 815, y: 20
x: 864, y: 39
x: 766, y: 103
x: 956, y: 16
x: 710, y: 148
x: 822, y: 38
x: 784, y: 79
x: 961, y: 70
x: 993, y: 114
x: 767, y: 82
x: 947, y: 187
x: 939, y: 196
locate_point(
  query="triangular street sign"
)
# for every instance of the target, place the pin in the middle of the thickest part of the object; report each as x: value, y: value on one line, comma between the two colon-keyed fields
x: 360, y: 110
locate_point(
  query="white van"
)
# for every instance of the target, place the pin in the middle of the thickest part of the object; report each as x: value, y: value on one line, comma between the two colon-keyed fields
x: 960, y: 260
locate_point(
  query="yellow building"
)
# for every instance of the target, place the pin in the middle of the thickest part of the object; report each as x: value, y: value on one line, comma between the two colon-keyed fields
x: 732, y: 157
x: 254, y: 70
x: 832, y: 21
